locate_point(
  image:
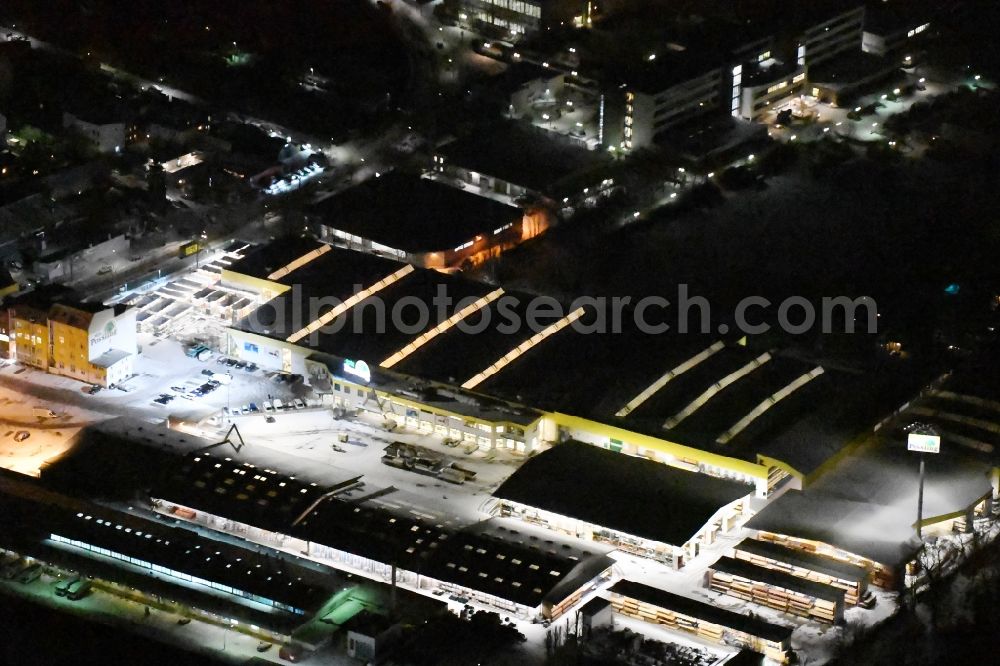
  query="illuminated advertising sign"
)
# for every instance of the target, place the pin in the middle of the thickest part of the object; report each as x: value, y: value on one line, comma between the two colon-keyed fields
x: 923, y: 443
x: 358, y: 369
x: 109, y: 332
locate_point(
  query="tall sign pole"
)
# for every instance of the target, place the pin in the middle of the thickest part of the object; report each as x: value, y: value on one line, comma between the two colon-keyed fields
x: 922, y: 440
x: 920, y: 499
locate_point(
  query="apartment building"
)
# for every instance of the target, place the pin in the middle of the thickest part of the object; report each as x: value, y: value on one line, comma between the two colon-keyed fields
x: 93, y: 346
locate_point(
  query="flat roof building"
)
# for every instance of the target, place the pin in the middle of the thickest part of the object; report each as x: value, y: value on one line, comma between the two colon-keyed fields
x: 423, y: 222
x: 264, y: 506
x: 517, y: 160
x: 282, y: 512
x: 183, y: 570
x: 513, y: 19
x: 897, y: 28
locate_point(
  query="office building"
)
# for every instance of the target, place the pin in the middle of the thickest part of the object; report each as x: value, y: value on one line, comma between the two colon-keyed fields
x: 512, y: 19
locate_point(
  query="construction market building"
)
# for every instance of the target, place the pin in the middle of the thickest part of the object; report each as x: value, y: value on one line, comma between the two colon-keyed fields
x: 683, y: 511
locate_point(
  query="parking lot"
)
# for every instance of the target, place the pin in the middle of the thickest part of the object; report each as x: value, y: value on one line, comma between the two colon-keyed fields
x: 118, y: 605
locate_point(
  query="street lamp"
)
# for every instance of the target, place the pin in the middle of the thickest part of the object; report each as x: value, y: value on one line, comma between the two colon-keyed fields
x: 922, y: 438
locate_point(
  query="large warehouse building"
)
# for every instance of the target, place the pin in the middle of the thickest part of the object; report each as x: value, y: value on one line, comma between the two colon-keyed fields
x: 320, y: 524
x: 691, y: 401
x: 756, y: 423
x: 424, y: 222
x: 691, y: 510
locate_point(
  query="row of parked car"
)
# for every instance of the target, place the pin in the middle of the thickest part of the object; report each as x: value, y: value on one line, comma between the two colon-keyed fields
x: 20, y: 569
x: 74, y: 588
x: 236, y: 363
x: 269, y: 407
x: 27, y: 570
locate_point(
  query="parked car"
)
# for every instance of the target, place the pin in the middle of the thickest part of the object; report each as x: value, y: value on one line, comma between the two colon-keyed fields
x: 299, y: 404
x: 254, y: 409
x: 268, y: 406
x: 11, y: 569
x: 194, y: 350
x: 30, y: 573
x: 79, y: 590
x: 21, y: 435
x: 62, y: 587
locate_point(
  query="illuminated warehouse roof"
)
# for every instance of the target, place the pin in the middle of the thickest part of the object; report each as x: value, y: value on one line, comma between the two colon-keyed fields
x: 698, y: 390
x: 867, y: 504
x: 317, y: 268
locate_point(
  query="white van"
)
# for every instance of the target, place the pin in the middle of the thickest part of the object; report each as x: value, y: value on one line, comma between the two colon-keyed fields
x: 43, y: 412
